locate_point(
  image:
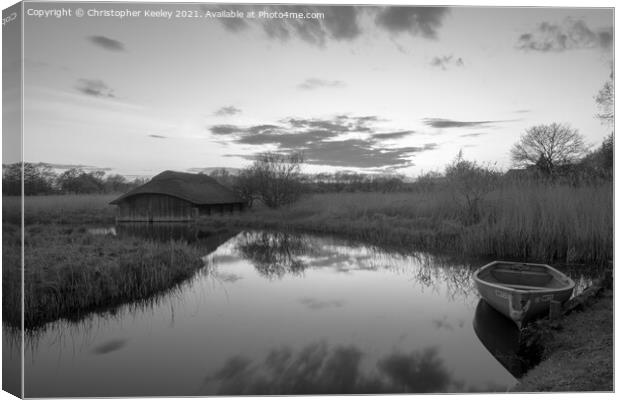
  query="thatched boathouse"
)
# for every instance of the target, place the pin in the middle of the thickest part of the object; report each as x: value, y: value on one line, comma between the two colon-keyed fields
x: 176, y: 196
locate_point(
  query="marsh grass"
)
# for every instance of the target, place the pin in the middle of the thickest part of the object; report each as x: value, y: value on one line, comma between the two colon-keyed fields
x: 69, y: 273
x: 60, y: 209
x: 548, y: 223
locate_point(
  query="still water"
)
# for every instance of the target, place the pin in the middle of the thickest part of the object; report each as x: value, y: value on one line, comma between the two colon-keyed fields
x: 273, y: 313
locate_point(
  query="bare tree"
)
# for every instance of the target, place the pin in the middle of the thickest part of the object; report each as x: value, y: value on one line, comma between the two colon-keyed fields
x: 276, y: 178
x: 605, y: 101
x: 548, y: 146
x: 470, y: 183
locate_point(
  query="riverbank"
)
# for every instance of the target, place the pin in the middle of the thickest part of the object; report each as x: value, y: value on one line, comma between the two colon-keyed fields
x: 71, y: 272
x: 578, y: 355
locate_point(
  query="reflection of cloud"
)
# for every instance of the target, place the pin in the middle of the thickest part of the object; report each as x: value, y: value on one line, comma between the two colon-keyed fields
x: 228, y: 277
x: 315, y: 83
x: 95, y: 88
x: 570, y: 35
x: 316, y: 304
x: 319, y: 369
x: 110, y: 346
x: 107, y: 43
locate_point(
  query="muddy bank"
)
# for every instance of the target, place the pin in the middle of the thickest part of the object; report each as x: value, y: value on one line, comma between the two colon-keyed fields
x: 577, y: 351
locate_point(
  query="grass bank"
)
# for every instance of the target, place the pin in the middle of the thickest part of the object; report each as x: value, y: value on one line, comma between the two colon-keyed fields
x: 529, y: 222
x: 60, y: 209
x: 69, y: 272
x: 578, y: 357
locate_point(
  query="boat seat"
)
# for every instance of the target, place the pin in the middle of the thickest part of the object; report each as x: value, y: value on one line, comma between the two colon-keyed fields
x: 526, y: 287
x: 521, y: 272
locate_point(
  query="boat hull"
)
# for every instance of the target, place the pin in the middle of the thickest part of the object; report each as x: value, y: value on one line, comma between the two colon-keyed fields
x: 523, y: 303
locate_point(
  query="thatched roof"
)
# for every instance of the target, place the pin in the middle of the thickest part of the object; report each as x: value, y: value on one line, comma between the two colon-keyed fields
x: 198, y: 189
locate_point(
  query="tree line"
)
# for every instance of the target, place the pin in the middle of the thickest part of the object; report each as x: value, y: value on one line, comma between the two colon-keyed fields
x: 40, y: 179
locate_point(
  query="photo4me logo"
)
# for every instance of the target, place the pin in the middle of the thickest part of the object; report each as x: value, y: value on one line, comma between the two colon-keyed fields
x: 9, y: 18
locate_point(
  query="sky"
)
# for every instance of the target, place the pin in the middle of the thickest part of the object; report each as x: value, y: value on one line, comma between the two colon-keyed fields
x: 364, y: 88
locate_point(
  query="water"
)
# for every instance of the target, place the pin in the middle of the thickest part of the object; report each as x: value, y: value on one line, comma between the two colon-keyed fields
x: 272, y: 313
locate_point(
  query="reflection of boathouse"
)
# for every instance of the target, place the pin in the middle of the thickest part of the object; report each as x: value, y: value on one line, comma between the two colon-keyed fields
x: 176, y: 196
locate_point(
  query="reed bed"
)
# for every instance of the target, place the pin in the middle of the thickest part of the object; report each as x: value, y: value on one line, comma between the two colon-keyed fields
x: 536, y: 222
x: 60, y: 209
x: 69, y: 272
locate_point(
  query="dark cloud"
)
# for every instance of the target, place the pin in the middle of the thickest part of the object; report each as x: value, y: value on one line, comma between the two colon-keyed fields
x: 417, y: 21
x: 448, y: 123
x: 323, y: 141
x: 392, y: 135
x: 473, y: 134
x: 158, y: 137
x: 444, y: 62
x: 338, y: 23
x: 358, y: 153
x: 107, y: 43
x: 95, y: 88
x: 570, y: 35
x: 229, y: 110
x: 315, y: 83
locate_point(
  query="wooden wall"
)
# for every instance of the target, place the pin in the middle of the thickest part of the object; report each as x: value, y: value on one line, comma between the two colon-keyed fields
x: 158, y: 207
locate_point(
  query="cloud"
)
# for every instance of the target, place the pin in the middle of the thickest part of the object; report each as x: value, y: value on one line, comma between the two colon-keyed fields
x: 107, y: 43
x: 417, y: 21
x: 343, y: 141
x: 95, y: 88
x: 158, y: 136
x: 393, y: 135
x: 473, y: 134
x: 229, y: 110
x: 337, y: 23
x: 448, y: 123
x: 315, y: 83
x: 444, y: 62
x: 570, y: 35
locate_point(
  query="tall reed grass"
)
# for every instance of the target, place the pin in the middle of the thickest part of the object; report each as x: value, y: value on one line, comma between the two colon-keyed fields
x: 530, y: 221
x: 60, y: 209
x: 69, y: 272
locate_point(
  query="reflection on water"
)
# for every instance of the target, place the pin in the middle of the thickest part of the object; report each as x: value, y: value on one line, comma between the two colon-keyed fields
x: 318, y: 369
x: 500, y: 336
x: 272, y: 313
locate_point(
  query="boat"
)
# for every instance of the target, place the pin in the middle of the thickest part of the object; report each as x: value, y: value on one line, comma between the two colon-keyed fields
x: 522, y: 291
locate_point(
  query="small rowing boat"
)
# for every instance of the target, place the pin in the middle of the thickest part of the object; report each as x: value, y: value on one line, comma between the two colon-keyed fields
x: 522, y: 291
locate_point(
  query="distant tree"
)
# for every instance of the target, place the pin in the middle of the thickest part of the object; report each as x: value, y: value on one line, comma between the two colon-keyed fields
x: 223, y: 177
x: 276, y: 178
x: 12, y: 179
x: 115, y: 183
x: 547, y: 147
x: 75, y: 180
x: 470, y: 182
x: 245, y: 185
x: 38, y: 179
x: 605, y: 101
x: 600, y: 162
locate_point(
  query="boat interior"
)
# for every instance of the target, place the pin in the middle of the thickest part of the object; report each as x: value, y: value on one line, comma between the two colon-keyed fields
x: 521, y: 276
